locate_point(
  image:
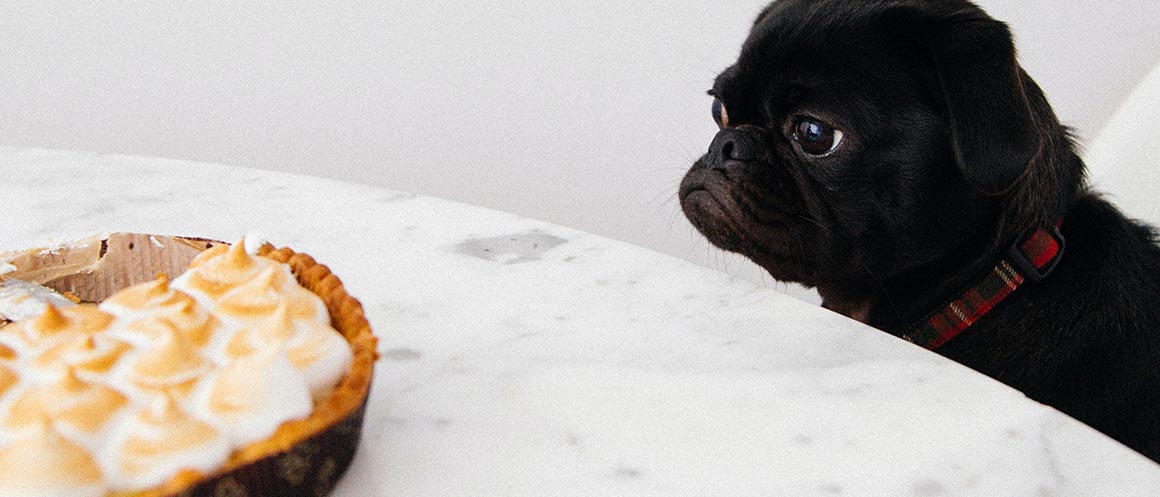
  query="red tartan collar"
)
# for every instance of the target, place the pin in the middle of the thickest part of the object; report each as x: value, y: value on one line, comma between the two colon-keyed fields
x: 1030, y: 258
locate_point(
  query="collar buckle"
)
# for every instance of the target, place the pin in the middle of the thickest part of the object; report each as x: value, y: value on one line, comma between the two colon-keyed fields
x: 1037, y: 255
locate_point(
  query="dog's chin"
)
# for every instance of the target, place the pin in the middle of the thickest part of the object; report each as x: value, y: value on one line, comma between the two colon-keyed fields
x: 712, y: 218
x: 715, y: 209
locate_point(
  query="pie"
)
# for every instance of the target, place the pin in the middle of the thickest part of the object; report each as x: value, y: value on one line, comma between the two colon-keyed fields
x: 245, y: 375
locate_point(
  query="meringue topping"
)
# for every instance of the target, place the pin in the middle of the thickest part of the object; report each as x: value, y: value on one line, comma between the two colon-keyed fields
x: 272, y: 332
x: 150, y: 308
x: 170, y: 360
x: 219, y: 269
x: 253, y: 396
x: 56, y: 324
x: 161, y: 377
x: 317, y: 351
x: 271, y: 288
x: 322, y: 356
x: 46, y: 464
x: 8, y: 379
x: 7, y: 353
x: 158, y: 442
x: 94, y: 354
x: 68, y: 400
x: 144, y: 297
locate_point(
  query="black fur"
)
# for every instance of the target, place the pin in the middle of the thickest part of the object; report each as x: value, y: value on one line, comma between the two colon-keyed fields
x: 950, y: 152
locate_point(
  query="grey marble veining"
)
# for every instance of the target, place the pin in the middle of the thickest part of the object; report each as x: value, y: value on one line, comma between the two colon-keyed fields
x: 523, y: 358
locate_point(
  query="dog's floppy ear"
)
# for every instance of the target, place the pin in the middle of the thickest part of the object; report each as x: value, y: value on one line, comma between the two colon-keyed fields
x: 992, y: 128
x: 764, y: 13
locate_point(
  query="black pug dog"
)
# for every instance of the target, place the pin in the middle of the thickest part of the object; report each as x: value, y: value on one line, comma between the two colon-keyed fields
x: 895, y: 156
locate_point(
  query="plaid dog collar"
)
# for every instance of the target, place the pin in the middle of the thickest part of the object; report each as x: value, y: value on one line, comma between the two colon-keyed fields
x: 1030, y: 258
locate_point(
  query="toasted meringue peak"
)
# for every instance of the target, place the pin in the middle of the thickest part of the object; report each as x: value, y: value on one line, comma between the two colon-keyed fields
x: 8, y: 379
x: 7, y: 353
x: 322, y: 355
x: 253, y: 242
x: 257, y: 298
x: 237, y: 256
x: 50, y: 322
x: 57, y: 323
x: 94, y: 353
x: 272, y: 332
x: 242, y: 344
x: 192, y: 322
x: 144, y: 305
x: 256, y: 394
x: 170, y: 360
x: 45, y: 399
x: 219, y: 269
x: 319, y: 352
x: 144, y: 296
x: 71, y: 400
x: 87, y: 319
x: 274, y: 287
x: 47, y: 464
x: 162, y: 440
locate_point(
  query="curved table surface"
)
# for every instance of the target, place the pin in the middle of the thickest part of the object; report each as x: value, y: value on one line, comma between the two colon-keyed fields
x: 523, y: 358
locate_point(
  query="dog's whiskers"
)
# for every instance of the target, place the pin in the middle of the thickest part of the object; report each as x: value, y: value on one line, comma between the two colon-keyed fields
x: 881, y: 287
x: 815, y: 222
x: 799, y: 253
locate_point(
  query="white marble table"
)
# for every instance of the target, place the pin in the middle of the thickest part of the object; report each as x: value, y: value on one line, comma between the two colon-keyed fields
x: 522, y: 358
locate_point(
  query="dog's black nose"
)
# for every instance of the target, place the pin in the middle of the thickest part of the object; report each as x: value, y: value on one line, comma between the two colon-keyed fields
x: 735, y: 144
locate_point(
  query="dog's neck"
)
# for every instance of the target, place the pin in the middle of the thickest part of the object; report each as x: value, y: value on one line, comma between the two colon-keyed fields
x: 853, y: 305
x: 894, y: 302
x: 933, y: 311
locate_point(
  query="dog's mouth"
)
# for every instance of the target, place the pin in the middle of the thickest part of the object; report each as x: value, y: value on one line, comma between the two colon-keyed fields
x: 736, y: 216
x: 707, y: 201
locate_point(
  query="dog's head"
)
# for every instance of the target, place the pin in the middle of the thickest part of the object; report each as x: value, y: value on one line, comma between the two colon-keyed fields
x: 862, y: 141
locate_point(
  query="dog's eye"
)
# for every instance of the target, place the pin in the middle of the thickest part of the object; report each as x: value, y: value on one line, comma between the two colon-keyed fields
x: 815, y: 137
x: 720, y: 114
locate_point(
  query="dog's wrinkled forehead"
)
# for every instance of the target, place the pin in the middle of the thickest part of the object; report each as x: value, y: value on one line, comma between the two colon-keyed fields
x: 820, y: 46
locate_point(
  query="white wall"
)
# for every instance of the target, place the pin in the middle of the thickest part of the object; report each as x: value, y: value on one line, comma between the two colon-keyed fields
x: 581, y: 113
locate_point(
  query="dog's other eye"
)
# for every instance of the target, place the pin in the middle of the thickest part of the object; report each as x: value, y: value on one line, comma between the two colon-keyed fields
x: 720, y: 115
x: 815, y: 137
